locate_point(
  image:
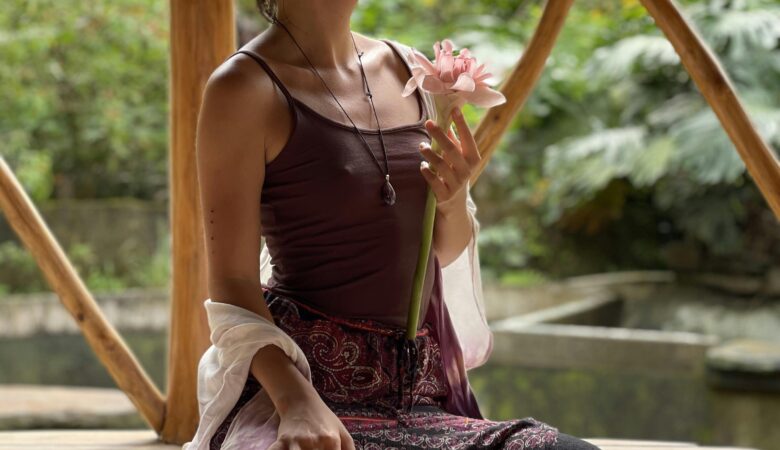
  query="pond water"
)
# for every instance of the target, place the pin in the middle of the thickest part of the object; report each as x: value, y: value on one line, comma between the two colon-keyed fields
x: 67, y: 360
x: 584, y: 403
x: 592, y: 403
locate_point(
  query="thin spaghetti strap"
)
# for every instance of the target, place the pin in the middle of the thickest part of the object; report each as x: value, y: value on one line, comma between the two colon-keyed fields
x: 407, y: 57
x: 271, y: 73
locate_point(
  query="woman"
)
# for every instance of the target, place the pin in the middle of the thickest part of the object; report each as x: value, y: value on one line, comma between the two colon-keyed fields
x: 304, y: 139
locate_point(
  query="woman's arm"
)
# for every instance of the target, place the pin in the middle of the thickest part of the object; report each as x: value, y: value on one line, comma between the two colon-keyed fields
x: 239, y: 104
x: 451, y: 229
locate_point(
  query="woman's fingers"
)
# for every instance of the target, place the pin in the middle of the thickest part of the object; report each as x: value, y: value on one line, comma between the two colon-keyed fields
x: 450, y: 147
x: 437, y: 185
x: 468, y: 145
x: 441, y: 167
x: 347, y: 443
x: 329, y: 441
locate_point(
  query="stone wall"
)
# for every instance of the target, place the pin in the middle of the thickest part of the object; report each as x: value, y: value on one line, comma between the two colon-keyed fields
x: 122, y: 233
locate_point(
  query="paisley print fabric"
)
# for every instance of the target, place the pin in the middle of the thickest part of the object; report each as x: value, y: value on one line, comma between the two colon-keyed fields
x: 355, y: 369
x: 356, y: 361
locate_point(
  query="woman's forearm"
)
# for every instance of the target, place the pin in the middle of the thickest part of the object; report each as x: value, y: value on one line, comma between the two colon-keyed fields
x: 270, y: 365
x: 451, y: 229
x: 278, y: 375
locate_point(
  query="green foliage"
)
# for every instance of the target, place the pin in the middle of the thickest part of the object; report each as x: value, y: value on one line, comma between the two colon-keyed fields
x: 615, y: 155
x: 20, y: 273
x: 614, y: 158
x: 84, y: 93
x: 656, y: 132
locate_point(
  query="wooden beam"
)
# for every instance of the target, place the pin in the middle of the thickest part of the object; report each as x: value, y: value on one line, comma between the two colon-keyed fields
x: 717, y: 89
x: 202, y: 37
x: 62, y: 277
x: 520, y: 83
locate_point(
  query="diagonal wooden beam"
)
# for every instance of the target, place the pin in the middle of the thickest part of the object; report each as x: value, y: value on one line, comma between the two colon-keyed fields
x: 520, y: 83
x: 716, y: 88
x: 64, y: 280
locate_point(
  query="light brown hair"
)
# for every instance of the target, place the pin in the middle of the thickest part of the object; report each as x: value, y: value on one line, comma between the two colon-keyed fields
x: 269, y: 9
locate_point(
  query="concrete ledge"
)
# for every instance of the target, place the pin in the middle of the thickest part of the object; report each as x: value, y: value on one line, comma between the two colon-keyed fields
x: 600, y: 348
x: 130, y: 310
x: 508, y: 301
x: 745, y: 364
x: 28, y: 407
x: 564, y: 313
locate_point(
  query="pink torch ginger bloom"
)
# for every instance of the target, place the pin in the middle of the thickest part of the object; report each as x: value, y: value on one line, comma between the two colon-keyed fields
x: 452, y: 81
x: 458, y: 78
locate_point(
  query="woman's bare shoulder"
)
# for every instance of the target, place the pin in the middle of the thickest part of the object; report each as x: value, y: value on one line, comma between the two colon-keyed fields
x: 237, y: 110
x: 372, y: 44
x: 239, y: 103
x: 240, y: 80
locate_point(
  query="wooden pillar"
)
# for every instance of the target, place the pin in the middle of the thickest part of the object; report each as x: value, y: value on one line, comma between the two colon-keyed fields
x: 520, y: 83
x: 202, y: 37
x: 716, y: 88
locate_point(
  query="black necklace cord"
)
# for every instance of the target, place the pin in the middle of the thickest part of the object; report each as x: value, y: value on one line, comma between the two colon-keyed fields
x: 373, y: 108
x: 370, y: 97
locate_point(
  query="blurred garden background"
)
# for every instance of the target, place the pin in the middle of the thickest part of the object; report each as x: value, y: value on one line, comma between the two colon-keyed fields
x: 616, y: 164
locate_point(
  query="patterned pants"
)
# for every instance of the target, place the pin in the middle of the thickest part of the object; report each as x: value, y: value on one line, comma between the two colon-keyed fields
x: 357, y: 370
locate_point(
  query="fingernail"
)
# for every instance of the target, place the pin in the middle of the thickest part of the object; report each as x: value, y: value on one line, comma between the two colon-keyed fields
x: 422, y: 144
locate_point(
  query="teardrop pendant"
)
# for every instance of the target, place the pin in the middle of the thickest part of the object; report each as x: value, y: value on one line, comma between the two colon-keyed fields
x: 388, y: 193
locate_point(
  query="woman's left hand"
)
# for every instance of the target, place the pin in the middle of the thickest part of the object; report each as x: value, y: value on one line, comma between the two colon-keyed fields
x: 448, y: 174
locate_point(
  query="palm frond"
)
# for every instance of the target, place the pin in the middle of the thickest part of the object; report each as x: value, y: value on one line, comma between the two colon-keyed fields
x: 704, y: 151
x: 632, y: 54
x: 675, y: 109
x: 579, y: 167
x: 738, y: 28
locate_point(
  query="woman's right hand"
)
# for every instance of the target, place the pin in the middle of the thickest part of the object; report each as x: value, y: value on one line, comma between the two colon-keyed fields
x: 306, y: 421
x: 308, y: 424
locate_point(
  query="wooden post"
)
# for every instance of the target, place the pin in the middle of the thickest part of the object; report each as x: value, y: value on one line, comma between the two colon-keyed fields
x: 714, y: 84
x: 202, y: 37
x: 520, y: 83
x: 64, y: 280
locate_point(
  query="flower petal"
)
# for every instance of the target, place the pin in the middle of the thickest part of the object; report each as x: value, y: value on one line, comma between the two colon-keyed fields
x: 464, y: 83
x: 446, y: 68
x: 426, y: 64
x: 483, y: 76
x: 434, y: 85
x: 411, y: 85
x: 485, y: 97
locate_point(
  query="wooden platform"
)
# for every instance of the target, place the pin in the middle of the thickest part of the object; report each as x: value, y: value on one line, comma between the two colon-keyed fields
x: 147, y: 440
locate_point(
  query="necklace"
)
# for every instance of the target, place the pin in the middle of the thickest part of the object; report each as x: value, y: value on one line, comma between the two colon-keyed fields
x: 387, y: 191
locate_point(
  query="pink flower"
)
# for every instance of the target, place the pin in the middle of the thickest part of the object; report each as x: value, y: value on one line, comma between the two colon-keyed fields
x: 453, y: 76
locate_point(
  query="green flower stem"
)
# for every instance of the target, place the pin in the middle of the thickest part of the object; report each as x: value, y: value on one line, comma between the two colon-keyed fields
x: 429, y: 216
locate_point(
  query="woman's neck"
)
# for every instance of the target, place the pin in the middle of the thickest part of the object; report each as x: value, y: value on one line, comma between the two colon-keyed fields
x: 321, y: 28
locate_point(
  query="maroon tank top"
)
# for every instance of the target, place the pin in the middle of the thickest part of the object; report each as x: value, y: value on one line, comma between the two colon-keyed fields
x: 334, y: 244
